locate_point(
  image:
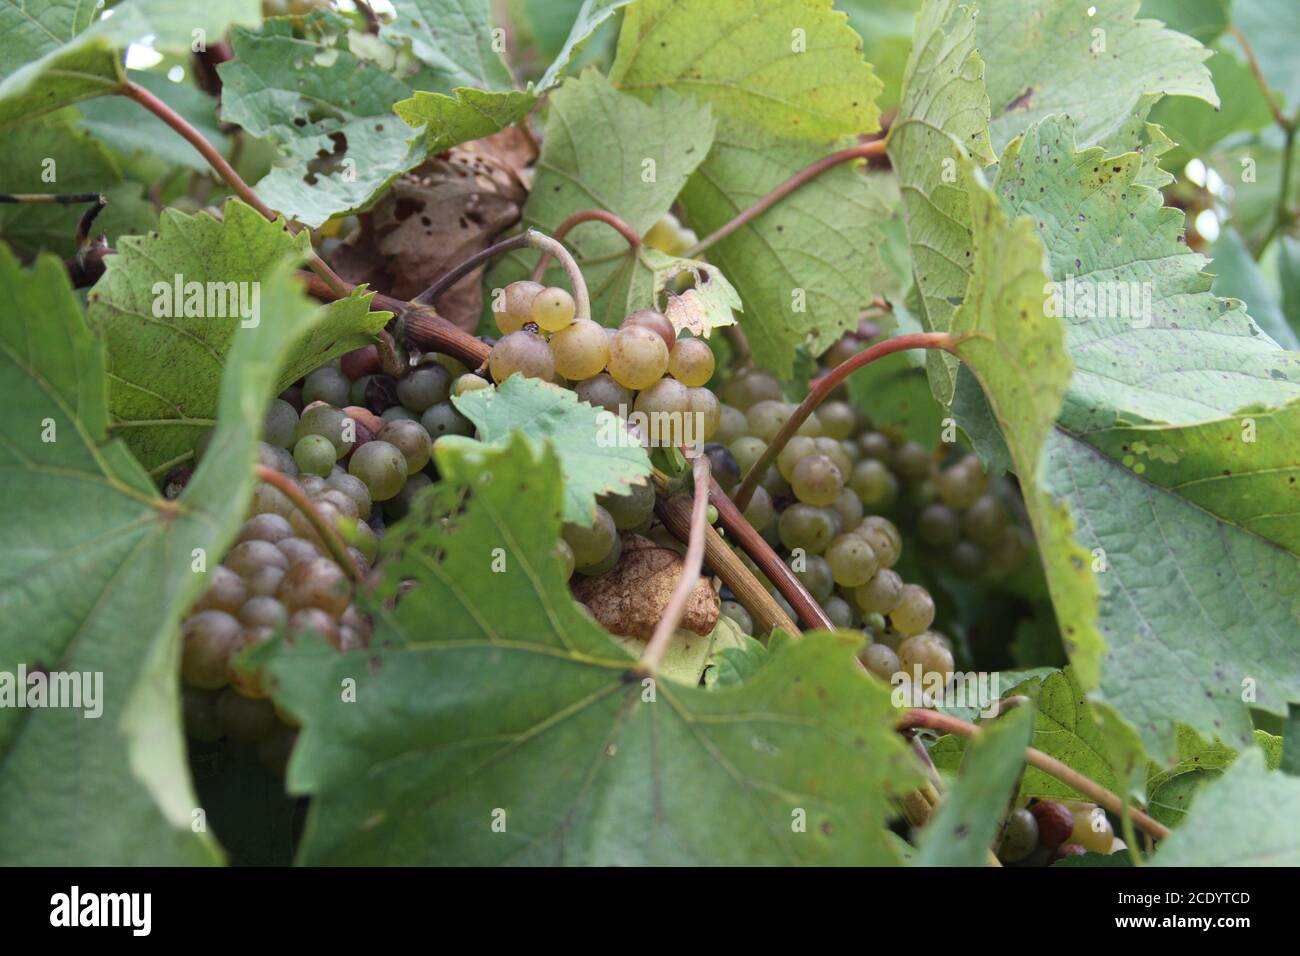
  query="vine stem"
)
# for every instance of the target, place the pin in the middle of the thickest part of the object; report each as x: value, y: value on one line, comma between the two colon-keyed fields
x: 823, y: 387
x: 587, y: 215
x: 337, y: 548
x: 866, y: 151
x: 223, y: 169
x: 690, y: 576
x: 1278, y: 116
x: 934, y: 720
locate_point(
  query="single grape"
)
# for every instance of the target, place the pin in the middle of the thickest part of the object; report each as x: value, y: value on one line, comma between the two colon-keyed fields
x: 207, y: 640
x: 816, y: 481
x: 839, y: 611
x: 327, y: 384
x: 264, y: 527
x: 297, y: 550
x: 838, y: 419
x: 738, y: 615
x: 354, y: 488
x: 524, y: 353
x: 815, y: 575
x: 810, y: 426
x: 984, y: 520
x: 319, y: 583
x: 424, y: 386
x: 359, y: 362
x: 665, y: 397
x: 691, y: 362
x: 444, y: 419
x: 881, y: 660
x: 852, y: 561
x: 311, y: 484
x: 796, y: 450
x: 264, y: 580
x: 807, y: 527
x: 706, y: 411
x: 938, y: 526
x: 226, y: 591
x: 747, y: 450
x: 328, y: 421
x: 601, y: 391
x: 766, y: 418
x: 1010, y: 551
x: 961, y: 484
x: 605, y: 564
x: 637, y: 357
x: 314, y: 455
x: 632, y: 509
x: 748, y: 390
x: 552, y: 309
x: 881, y: 594
x: 581, y: 350
x: 263, y: 611
x: 656, y: 322
x: 912, y: 461
x: 1019, y: 836
x: 246, y: 556
x: 849, y: 507
x: 467, y: 383
x: 1092, y: 828
x: 883, y: 537
x: 592, y: 545
x: 565, y: 554
x: 924, y: 651
x: 732, y: 424
x: 412, y: 441
x: 398, y: 413
x: 834, y: 450
x: 280, y: 423
x: 875, y: 445
x: 915, y: 611
x: 515, y: 304
x: 382, y: 467
x: 246, y: 680
x: 760, y: 510
x: 1055, y: 822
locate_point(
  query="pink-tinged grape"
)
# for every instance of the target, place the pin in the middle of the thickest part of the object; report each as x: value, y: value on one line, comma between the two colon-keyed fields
x: 637, y: 357
x: 656, y: 322
x: 1055, y: 822
x: 516, y: 304
x: 320, y: 583
x: 552, y: 309
x: 412, y: 441
x: 691, y: 362
x: 207, y: 639
x: 521, y: 353
x: 601, y: 391
x: 581, y: 350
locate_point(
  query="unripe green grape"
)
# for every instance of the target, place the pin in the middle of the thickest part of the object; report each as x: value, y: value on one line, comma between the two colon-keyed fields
x: 747, y: 450
x: 354, y: 488
x: 912, y: 461
x: 938, y: 526
x: 637, y: 357
x: 591, y: 545
x: 928, y: 652
x: 515, y: 305
x: 581, y: 350
x: 424, y: 386
x: 849, y: 507
x: 838, y: 610
x: 522, y: 353
x: 834, y: 450
x: 411, y: 440
x: 314, y: 455
x: 961, y: 484
x: 816, y: 481
x: 656, y: 322
x: 360, y: 537
x: 731, y: 425
x: 968, y: 560
x: 816, y: 575
x: 324, y: 420
x: 666, y: 396
x: 796, y: 450
x: 1010, y: 551
x: 605, y: 564
x: 280, y: 423
x: 915, y: 611
x: 691, y: 362
x: 565, y: 554
x: 838, y: 419
x: 631, y: 509
x: 875, y: 445
x: 444, y: 419
x: 810, y: 426
x: 881, y: 594
x: 1019, y: 836
x: 760, y: 510
x: 803, y: 526
x: 883, y: 537
x: 1092, y: 829
x: 748, y: 390
x: 207, y: 639
x: 776, y: 486
x: 552, y: 309
x: 704, y: 405
x: 739, y: 616
x: 881, y: 660
x: 984, y: 520
x: 381, y: 466
x: 601, y: 391
x: 766, y: 418
x: 851, y: 560
x: 398, y: 413
x: 467, y: 383
x: 874, y: 484
x: 327, y: 384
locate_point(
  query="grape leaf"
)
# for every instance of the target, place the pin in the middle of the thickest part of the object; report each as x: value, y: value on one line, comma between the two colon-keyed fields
x: 329, y: 114
x: 162, y: 408
x: 963, y: 829
x: 807, y: 267
x: 1264, y: 24
x: 97, y: 572
x: 1245, y: 818
x: 1237, y: 275
x: 595, y: 454
x: 1202, y: 19
x: 524, y: 740
x: 1171, y: 789
x: 1098, y: 63
x: 55, y: 52
x: 1197, y: 126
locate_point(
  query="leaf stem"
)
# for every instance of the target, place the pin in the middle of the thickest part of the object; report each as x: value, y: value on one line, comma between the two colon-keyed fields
x: 865, y: 151
x: 823, y: 387
x: 449, y: 279
x: 1049, y: 765
x: 587, y: 215
x: 328, y: 534
x: 1278, y: 116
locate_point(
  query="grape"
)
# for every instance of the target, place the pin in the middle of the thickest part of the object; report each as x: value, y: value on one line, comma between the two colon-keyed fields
x: 731, y: 425
x: 246, y: 556
x: 276, y: 458
x: 838, y: 419
x: 1019, y: 836
x: 912, y: 461
x: 275, y: 749
x: 705, y: 407
x: 326, y: 384
x: 592, y: 545
x: 207, y: 640
x: 834, y: 450
x: 816, y: 576
x: 199, y: 714
x: 424, y: 386
x: 883, y: 537
x: 1092, y: 829
x: 279, y: 424
x: 318, y: 583
x: 881, y: 660
x: 849, y: 507
x: 632, y: 509
x: 245, y: 719
x: 723, y: 466
x: 666, y: 396
x: 303, y: 527
x: 354, y: 488
x: 657, y: 323
x: 968, y: 560
x: 738, y: 616
x: 938, y: 526
x: 226, y: 592
x: 601, y: 391
x: 565, y: 554
x: 552, y: 309
x: 311, y: 484
x: 524, y: 353
x: 984, y: 520
x: 915, y: 611
x: 691, y: 362
x: 516, y: 305
x: 960, y: 485
x: 297, y: 550
x: 810, y: 426
x: 760, y: 510
x: 324, y: 420
x: 263, y: 611
x: 412, y: 441
x: 796, y: 450
x: 838, y: 610
x: 398, y: 413
x: 881, y: 594
x: 803, y: 526
x: 312, y: 622
x: 314, y: 454
x: 264, y: 527
x: 637, y: 357
x: 581, y: 350
x: 766, y: 418
x: 264, y: 580
x: 606, y: 563
x: 359, y: 362
x: 925, y: 651
x: 816, y: 481
x: 382, y: 467
x: 1055, y: 822
x: 399, y: 506
x: 363, y: 539
x: 1010, y: 551
x: 244, y: 680
x: 875, y: 445
x: 467, y: 383
x: 852, y: 561
x: 750, y: 389
x: 747, y: 450
x: 444, y: 419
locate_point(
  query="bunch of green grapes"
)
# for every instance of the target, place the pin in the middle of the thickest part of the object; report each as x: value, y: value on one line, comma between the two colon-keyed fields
x: 1040, y: 832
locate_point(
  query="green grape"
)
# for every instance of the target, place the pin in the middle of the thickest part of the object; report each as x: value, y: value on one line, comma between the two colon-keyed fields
x: 704, y: 405
x: 552, y: 309
x: 796, y: 450
x: 691, y: 362
x: 938, y: 526
x: 264, y: 527
x: 310, y: 484
x: 314, y: 455
x: 523, y: 353
x: 881, y: 594
x: 723, y: 467
x: 849, y: 507
x: 324, y: 420
x: 263, y: 611
x: 637, y: 357
x: 601, y: 391
x: 592, y: 545
x: 467, y: 383
x: 968, y: 560
x: 226, y: 591
x: 565, y: 554
x: 883, y: 537
x: 776, y: 486
x: 354, y: 488
x: 297, y: 550
x: 803, y: 526
x: 731, y: 425
x: 327, y: 384
x: 960, y: 485
x: 318, y: 583
x: 280, y: 424
x: 398, y: 413
x: 341, y: 502
x: 632, y: 509
x: 816, y: 575
x: 247, y: 556
x: 606, y: 563
x: 839, y: 420
x: 207, y: 639
x: 915, y: 611
x: 514, y: 307
x: 834, y: 450
x: 985, y: 520
x: 444, y: 419
x: 357, y: 392
x: 399, y: 506
x: 424, y: 386
x: 656, y: 322
x: 912, y: 461
x: 381, y: 466
x: 838, y: 610
x: 748, y: 390
x: 760, y: 510
x: 766, y: 418
x: 881, y: 660
x: 810, y: 426
x: 929, y: 653
x: 411, y: 440
x: 747, y: 450
x: 852, y: 561
x: 1019, y: 836
x: 666, y: 396
x: 268, y: 499
x: 1010, y: 552
x: 581, y: 350
x: 738, y: 615
x: 874, y: 484
x: 363, y: 539
x: 875, y: 445
x: 816, y: 481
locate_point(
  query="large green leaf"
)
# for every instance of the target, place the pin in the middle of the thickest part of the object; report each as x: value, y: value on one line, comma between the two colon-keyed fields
x: 1197, y: 126
x: 1269, y: 26
x: 97, y: 571
x: 55, y: 52
x: 595, y: 455
x: 1171, y: 790
x: 498, y: 724
x: 162, y: 408
x: 1237, y: 275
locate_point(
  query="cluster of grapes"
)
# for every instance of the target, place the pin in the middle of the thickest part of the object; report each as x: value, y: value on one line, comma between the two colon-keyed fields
x: 1049, y: 830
